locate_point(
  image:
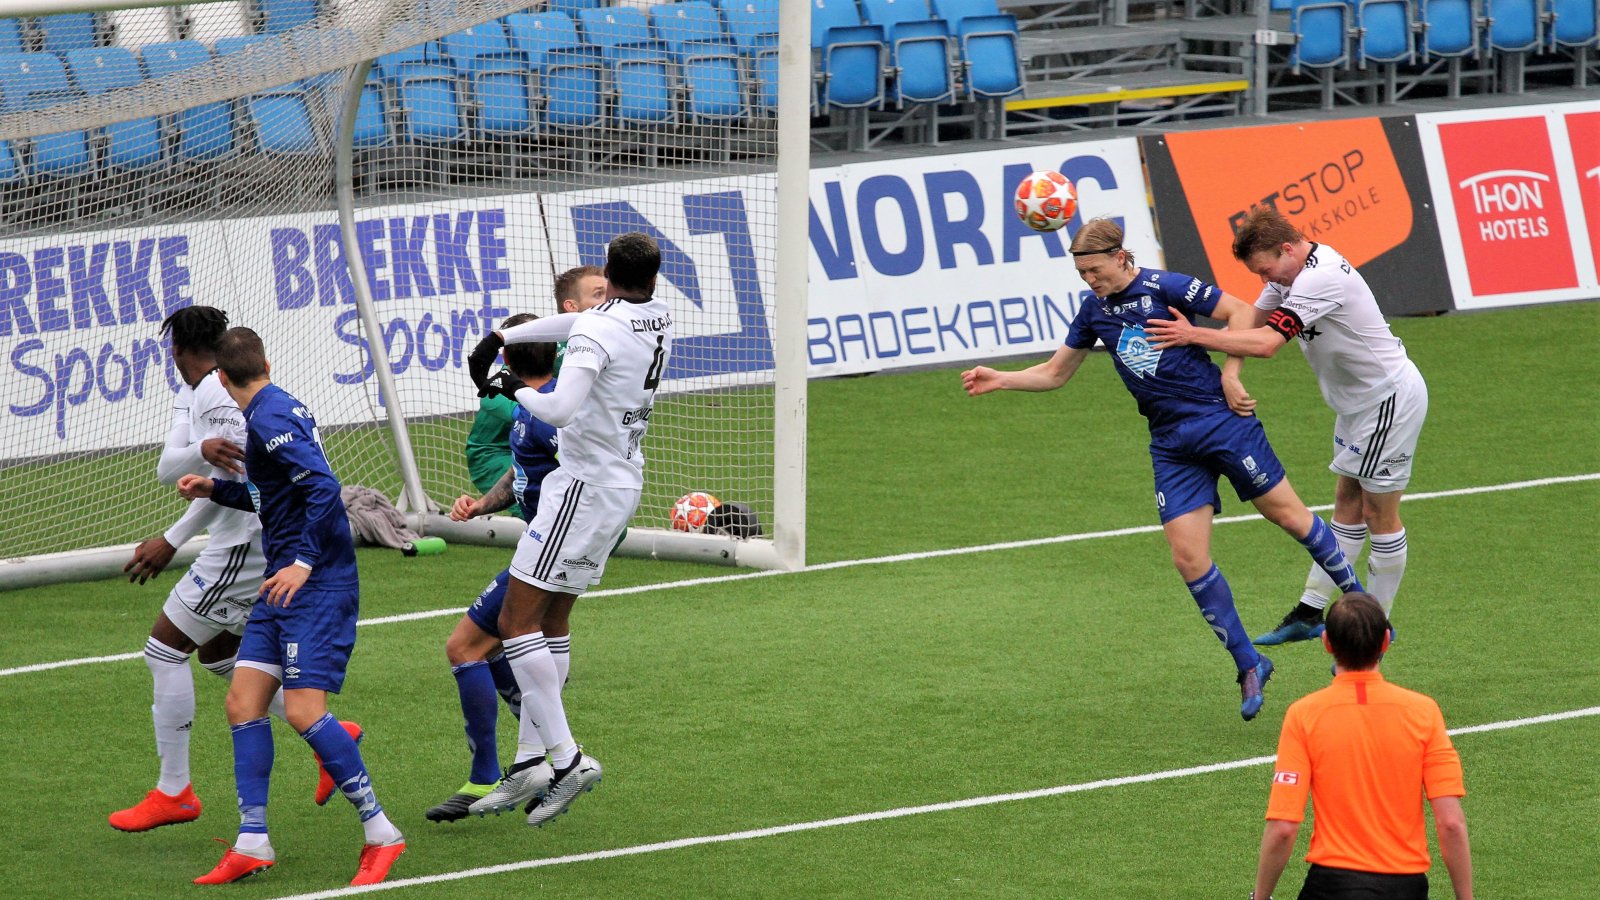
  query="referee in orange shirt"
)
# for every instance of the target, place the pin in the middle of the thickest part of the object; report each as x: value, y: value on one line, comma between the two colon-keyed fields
x: 1367, y: 751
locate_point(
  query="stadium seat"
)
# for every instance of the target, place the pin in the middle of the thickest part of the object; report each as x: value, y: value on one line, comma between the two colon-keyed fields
x: 919, y: 50
x: 1513, y: 25
x: 129, y: 145
x: 280, y: 116
x: 853, y: 61
x: 707, y: 60
x: 1449, y: 28
x: 11, y: 36
x: 372, y: 119
x: 276, y: 16
x: 30, y: 81
x: 829, y: 14
x: 67, y: 31
x: 570, y: 71
x: 641, y: 77
x: 203, y: 132
x: 1384, y: 28
x: 497, y: 77
x: 753, y: 27
x: 11, y: 171
x: 571, y: 8
x: 535, y: 35
x: 988, y: 46
x: 1322, y: 34
x: 1572, y: 23
x: 134, y: 28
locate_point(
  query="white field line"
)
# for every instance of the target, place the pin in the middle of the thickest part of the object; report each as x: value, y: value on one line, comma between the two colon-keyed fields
x: 873, y: 561
x: 900, y: 813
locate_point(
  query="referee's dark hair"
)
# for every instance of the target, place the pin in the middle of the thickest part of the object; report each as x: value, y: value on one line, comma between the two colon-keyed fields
x: 1356, y: 629
x: 241, y: 356
x: 632, y: 261
x: 529, y: 360
x: 195, y: 328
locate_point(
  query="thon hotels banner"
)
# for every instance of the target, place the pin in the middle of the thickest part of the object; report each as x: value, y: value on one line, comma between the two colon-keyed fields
x: 923, y: 260
x: 1518, y: 193
x: 1357, y: 185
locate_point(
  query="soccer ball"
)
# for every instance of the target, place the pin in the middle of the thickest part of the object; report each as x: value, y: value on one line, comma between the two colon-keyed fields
x: 1046, y: 200
x: 690, y: 512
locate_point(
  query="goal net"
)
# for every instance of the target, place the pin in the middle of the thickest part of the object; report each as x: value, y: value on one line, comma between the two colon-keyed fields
x: 154, y: 158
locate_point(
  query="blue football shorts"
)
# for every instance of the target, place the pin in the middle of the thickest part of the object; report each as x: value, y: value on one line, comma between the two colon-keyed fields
x: 310, y: 639
x: 485, y: 611
x: 1189, y: 457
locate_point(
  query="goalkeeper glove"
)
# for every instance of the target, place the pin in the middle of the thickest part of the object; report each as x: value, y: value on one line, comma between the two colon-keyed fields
x: 482, y: 358
x: 504, y: 384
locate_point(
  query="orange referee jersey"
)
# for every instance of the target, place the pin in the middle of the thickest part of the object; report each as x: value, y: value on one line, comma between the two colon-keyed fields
x: 1368, y: 752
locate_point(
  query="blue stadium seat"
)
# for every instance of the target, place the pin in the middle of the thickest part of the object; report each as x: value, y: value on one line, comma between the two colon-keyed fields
x: 203, y: 132
x: 11, y: 171
x: 281, y: 15
x: 535, y: 35
x: 68, y: 31
x: 281, y: 116
x: 829, y: 14
x: 498, y: 79
x: 1385, y: 28
x: 571, y: 8
x: 1572, y: 23
x: 989, y: 53
x: 30, y: 81
x: 853, y: 61
x: 372, y: 118
x: 707, y: 60
x: 753, y: 27
x: 919, y: 49
x: 129, y: 145
x: 422, y: 88
x: 11, y: 36
x: 1449, y: 28
x: 570, y: 71
x: 1322, y: 34
x: 1513, y: 25
x: 640, y: 65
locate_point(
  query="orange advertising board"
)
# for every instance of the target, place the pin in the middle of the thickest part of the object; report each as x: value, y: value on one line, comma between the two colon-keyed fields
x: 1338, y: 182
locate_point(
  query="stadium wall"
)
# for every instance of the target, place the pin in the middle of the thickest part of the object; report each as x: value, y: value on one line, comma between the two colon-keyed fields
x: 913, y: 261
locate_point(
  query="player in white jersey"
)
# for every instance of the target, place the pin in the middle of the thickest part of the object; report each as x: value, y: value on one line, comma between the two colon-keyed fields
x: 1378, y: 397
x: 207, y: 608
x: 616, y: 354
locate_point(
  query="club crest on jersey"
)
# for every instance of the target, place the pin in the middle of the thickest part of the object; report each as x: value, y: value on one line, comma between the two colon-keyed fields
x: 1133, y: 348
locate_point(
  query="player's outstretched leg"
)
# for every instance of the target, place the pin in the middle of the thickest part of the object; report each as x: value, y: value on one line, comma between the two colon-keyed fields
x: 337, y: 749
x: 1215, y: 598
x: 1304, y: 621
x: 577, y: 777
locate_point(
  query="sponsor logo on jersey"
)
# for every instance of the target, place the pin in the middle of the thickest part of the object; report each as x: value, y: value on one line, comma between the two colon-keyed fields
x: 1144, y: 305
x: 582, y: 562
x: 291, y: 652
x: 255, y: 496
x: 1285, y: 777
x: 299, y: 475
x: 292, y: 672
x: 198, y: 581
x: 279, y: 441
x: 1134, y: 349
x: 1194, y: 289
x: 1250, y: 464
x: 536, y: 535
x: 1398, y: 459
x: 1259, y: 480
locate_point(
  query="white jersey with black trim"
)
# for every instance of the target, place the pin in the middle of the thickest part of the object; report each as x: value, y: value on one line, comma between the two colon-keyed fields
x: 1345, y: 338
x: 213, y: 414
x: 626, y: 343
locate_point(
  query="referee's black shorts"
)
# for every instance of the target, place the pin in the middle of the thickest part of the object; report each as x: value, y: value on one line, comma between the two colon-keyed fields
x: 1328, y: 883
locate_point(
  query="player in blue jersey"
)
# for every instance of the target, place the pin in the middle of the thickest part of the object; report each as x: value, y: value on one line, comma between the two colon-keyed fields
x: 302, y: 631
x: 476, y: 657
x: 1194, y: 437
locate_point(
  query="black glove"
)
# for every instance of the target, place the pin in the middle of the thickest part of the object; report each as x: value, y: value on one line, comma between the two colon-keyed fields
x: 482, y: 358
x: 504, y: 384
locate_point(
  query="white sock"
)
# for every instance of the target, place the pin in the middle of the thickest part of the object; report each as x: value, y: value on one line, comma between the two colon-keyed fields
x: 223, y: 668
x: 1320, y: 587
x: 379, y: 830
x: 561, y: 655
x: 253, y: 843
x: 1386, y: 567
x: 172, y: 712
x: 544, y: 720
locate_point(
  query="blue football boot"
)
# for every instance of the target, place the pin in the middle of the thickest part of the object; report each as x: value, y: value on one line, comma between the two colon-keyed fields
x: 1296, y: 626
x: 1251, y: 682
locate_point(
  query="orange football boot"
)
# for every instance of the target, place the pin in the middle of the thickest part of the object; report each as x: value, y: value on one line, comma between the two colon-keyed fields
x: 376, y: 860
x: 325, y: 785
x: 235, y: 866
x: 158, y: 809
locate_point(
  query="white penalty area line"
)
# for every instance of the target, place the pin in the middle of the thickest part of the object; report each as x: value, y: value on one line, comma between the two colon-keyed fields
x: 902, y: 812
x: 872, y: 561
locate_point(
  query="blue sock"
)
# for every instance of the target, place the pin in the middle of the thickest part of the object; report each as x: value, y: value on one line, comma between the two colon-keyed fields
x: 342, y: 758
x: 479, y: 707
x: 1215, y: 599
x: 1323, y: 546
x: 252, y: 770
x: 505, y: 681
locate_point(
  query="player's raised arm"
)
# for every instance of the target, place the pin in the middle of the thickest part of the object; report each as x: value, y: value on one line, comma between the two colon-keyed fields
x: 1240, y: 338
x: 1046, y: 376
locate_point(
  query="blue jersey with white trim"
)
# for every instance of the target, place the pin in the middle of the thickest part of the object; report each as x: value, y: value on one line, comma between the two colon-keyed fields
x: 533, y: 455
x: 1170, y: 385
x: 294, y: 491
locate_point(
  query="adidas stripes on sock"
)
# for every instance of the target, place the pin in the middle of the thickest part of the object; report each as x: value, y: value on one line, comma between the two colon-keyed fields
x: 1319, y: 587
x: 542, y: 712
x: 561, y: 655
x: 172, y: 711
x: 1386, y: 567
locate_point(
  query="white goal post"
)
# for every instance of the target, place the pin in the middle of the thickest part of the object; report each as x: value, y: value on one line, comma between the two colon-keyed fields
x: 398, y: 174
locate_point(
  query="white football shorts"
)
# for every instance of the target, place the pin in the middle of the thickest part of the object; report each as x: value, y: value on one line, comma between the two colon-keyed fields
x: 1376, y: 445
x: 574, y: 531
x: 217, y: 592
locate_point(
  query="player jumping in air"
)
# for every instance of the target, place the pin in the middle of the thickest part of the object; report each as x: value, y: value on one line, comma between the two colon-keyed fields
x: 1377, y: 395
x: 616, y: 354
x: 207, y: 607
x: 302, y: 631
x: 1194, y: 437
